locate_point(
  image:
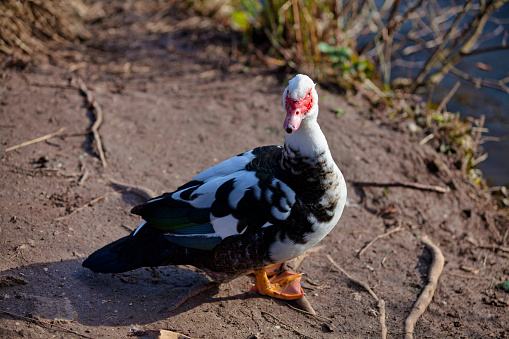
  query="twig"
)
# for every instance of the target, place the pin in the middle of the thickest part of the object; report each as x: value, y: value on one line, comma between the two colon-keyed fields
x: 477, y: 161
x: 90, y: 203
x: 358, y: 282
x: 426, y: 139
x: 40, y: 321
x: 437, y: 264
x: 435, y: 57
x: 76, y: 134
x: 381, y: 307
x: 470, y: 34
x: 368, y: 245
x: 404, y: 184
x: 485, y: 50
x: 93, y: 105
x: 448, y: 97
x: 478, y: 81
x: 36, y: 140
x: 381, y: 302
x: 83, y: 177
x: 480, y: 124
x: 443, y: 167
x: 145, y: 193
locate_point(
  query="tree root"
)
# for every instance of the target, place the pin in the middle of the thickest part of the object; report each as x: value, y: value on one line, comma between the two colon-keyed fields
x: 358, y: 282
x: 94, y: 106
x: 437, y: 264
x: 417, y: 186
x: 368, y: 245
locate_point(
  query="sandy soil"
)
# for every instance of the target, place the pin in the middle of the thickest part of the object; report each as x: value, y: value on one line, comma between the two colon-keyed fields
x: 176, y: 101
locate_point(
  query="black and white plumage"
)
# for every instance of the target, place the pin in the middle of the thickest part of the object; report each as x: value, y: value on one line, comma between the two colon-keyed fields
x: 261, y: 207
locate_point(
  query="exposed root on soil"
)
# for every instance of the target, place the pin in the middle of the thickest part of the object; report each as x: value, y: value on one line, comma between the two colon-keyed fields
x: 369, y: 244
x: 194, y: 291
x: 141, y: 191
x: 358, y: 282
x: 36, y: 140
x: 94, y: 106
x: 44, y: 323
x: 416, y: 186
x: 381, y: 302
x: 381, y: 307
x: 90, y: 203
x: 437, y: 264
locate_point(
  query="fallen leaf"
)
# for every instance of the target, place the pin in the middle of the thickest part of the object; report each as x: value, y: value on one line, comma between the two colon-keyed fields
x: 483, y: 66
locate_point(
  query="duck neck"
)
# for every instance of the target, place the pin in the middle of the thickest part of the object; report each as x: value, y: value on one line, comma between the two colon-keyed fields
x: 307, y: 143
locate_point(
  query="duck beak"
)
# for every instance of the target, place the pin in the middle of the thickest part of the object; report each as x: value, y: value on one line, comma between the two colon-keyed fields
x: 293, y: 119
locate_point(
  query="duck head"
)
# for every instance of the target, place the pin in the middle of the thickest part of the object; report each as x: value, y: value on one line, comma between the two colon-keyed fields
x: 300, y: 102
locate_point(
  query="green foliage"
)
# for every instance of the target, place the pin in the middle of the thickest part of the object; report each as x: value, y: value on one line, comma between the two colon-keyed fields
x: 347, y: 61
x: 337, y: 55
x: 246, y: 14
x: 240, y: 20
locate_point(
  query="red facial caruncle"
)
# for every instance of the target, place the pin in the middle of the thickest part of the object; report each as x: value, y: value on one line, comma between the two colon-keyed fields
x: 296, y: 110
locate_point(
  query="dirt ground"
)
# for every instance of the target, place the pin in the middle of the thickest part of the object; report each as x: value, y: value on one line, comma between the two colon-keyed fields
x: 178, y: 97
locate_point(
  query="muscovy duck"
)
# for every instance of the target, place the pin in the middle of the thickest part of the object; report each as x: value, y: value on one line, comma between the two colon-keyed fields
x: 245, y: 214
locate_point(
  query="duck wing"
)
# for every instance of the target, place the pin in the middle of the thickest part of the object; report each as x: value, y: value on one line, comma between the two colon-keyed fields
x: 240, y: 195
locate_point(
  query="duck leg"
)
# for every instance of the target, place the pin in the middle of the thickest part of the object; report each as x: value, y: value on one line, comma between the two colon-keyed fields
x: 285, y: 285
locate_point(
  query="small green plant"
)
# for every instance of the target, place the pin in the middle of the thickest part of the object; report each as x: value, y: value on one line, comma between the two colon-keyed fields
x: 347, y: 61
x: 339, y: 112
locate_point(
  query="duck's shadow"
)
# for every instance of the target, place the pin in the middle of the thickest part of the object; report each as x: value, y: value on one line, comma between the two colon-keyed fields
x: 66, y: 290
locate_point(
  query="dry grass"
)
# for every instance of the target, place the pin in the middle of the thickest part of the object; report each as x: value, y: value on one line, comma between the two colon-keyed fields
x: 28, y: 26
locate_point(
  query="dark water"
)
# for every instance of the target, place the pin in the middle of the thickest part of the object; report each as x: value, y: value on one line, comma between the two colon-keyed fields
x: 493, y: 103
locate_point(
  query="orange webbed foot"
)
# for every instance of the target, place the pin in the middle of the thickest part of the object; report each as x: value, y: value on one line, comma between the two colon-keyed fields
x: 285, y: 285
